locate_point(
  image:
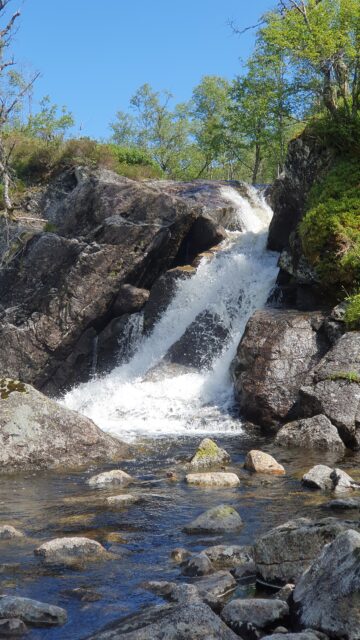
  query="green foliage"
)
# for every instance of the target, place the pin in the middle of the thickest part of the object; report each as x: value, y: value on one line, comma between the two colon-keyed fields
x: 50, y: 123
x: 330, y: 230
x: 350, y: 376
x: 352, y: 312
x: 50, y: 227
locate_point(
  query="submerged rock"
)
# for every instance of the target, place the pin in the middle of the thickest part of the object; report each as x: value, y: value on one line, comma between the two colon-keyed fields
x: 123, y: 500
x: 263, y: 463
x: 240, y: 614
x: 216, y: 520
x: 180, y: 555
x: 170, y: 622
x: 110, y: 478
x: 327, y: 596
x: 31, y: 611
x: 213, y: 479
x: 209, y: 454
x: 344, y: 504
x: 283, y: 553
x: 38, y: 433
x: 310, y: 433
x: 70, y: 551
x: 7, y: 532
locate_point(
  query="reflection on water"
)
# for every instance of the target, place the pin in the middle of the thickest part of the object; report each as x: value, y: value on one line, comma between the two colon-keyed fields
x: 142, y: 535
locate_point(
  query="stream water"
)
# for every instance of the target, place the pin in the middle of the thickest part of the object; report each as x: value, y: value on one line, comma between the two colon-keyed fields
x: 164, y: 411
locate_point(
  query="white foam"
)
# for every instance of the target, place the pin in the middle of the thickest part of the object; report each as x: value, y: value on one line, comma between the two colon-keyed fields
x: 130, y: 402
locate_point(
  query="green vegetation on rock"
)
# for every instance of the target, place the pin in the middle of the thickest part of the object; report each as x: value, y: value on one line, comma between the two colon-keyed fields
x: 350, y: 376
x: 8, y: 386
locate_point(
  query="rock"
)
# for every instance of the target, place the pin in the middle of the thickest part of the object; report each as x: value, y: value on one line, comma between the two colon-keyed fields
x: 121, y: 501
x: 197, y: 565
x: 70, y: 551
x: 180, y: 555
x: 83, y: 594
x: 219, y: 519
x: 213, y: 479
x: 319, y: 477
x: 162, y: 293
x: 283, y: 553
x: 325, y: 478
x: 117, y: 342
x: 129, y: 300
x: 263, y: 463
x: 209, y: 454
x: 278, y: 349
x: 229, y: 555
x: 257, y: 612
x: 307, y: 160
x: 32, y: 612
x: 38, y: 433
x: 310, y: 433
x: 173, y: 591
x: 245, y: 573
x: 335, y: 391
x: 12, y: 628
x: 7, y: 532
x: 109, y: 231
x: 304, y: 635
x: 344, y: 504
x: 285, y: 592
x: 203, y: 340
x: 327, y: 596
x: 213, y: 588
x: 110, y: 478
x: 170, y: 622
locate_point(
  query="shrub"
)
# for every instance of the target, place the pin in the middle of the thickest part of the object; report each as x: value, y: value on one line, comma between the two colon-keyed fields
x: 352, y: 312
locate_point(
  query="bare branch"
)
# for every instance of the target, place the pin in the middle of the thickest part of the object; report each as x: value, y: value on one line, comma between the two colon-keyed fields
x: 6, y: 112
x: 4, y: 32
x: 240, y: 32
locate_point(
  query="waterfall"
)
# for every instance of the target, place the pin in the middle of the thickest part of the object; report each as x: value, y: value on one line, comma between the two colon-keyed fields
x: 150, y: 395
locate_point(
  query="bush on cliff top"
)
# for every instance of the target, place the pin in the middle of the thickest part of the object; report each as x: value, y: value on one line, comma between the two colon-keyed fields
x: 330, y: 233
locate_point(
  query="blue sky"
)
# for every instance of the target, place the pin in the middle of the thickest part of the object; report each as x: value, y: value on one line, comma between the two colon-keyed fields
x: 93, y: 55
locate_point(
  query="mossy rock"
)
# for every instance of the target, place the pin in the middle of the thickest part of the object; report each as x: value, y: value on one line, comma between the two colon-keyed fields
x: 8, y: 386
x: 209, y: 454
x: 220, y: 519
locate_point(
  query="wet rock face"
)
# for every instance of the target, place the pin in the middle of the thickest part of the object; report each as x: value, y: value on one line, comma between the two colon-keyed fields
x: 327, y: 596
x: 110, y: 232
x: 283, y: 553
x: 130, y: 299
x: 162, y: 293
x: 274, y: 357
x: 38, y: 433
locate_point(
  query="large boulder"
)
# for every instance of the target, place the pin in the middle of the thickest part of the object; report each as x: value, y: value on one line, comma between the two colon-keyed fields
x: 57, y: 286
x: 249, y: 616
x: 283, y: 553
x: 327, y: 596
x: 170, y: 622
x: 39, y: 433
x: 274, y: 357
x: 335, y: 390
x: 70, y: 552
x: 310, y: 433
x: 221, y: 519
x: 33, y: 612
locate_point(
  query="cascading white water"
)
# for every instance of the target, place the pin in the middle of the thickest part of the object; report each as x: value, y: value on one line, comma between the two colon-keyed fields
x: 143, y: 398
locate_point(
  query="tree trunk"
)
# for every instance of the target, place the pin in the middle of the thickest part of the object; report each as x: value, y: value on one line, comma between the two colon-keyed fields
x: 257, y: 164
x: 5, y: 174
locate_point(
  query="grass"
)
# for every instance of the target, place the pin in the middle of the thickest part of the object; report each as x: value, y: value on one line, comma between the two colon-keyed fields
x: 350, y: 376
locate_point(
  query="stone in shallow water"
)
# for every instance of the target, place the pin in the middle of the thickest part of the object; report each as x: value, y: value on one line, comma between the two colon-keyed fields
x: 342, y: 481
x: 216, y: 520
x: 263, y: 463
x: 209, y: 454
x: 327, y: 596
x: 7, y: 532
x: 31, y: 611
x: 283, y: 553
x: 170, y: 622
x: 229, y: 555
x: 122, y: 500
x: 343, y: 503
x: 108, y: 478
x: 257, y: 612
x: 198, y: 565
x: 213, y: 479
x: 12, y: 628
x: 70, y: 551
x: 319, y: 477
x: 180, y: 555
x: 310, y: 433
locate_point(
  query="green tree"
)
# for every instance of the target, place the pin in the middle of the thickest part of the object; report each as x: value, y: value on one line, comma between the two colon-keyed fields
x: 50, y: 122
x: 321, y: 40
